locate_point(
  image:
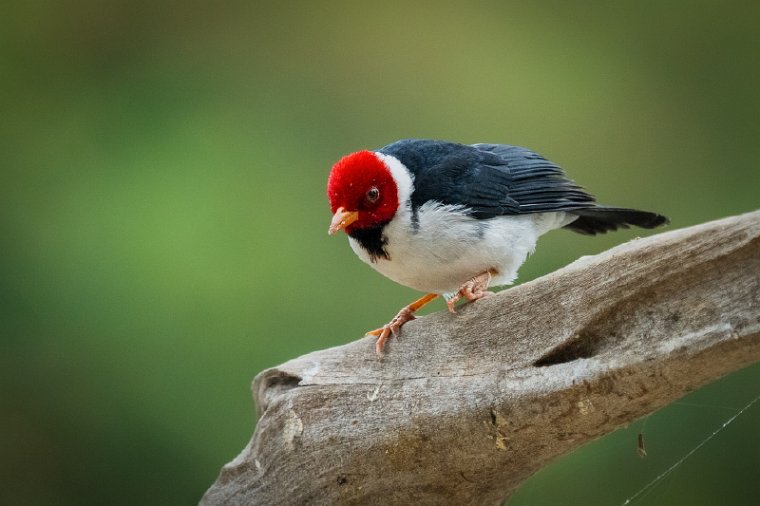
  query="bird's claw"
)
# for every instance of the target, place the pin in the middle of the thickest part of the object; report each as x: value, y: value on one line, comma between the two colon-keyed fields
x: 472, y: 290
x: 452, y: 302
x: 391, y: 329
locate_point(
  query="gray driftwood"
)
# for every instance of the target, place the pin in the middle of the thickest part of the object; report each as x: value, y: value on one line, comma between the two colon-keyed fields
x: 465, y: 407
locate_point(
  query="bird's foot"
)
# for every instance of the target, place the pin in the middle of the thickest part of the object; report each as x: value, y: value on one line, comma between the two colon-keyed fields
x: 472, y: 290
x: 392, y: 328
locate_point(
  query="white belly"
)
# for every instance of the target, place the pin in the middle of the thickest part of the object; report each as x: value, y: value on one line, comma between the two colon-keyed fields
x: 447, y: 247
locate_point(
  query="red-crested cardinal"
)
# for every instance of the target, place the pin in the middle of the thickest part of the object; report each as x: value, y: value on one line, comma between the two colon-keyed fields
x: 452, y: 219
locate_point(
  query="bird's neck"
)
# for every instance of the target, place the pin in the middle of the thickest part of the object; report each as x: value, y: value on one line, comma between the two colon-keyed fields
x: 372, y: 240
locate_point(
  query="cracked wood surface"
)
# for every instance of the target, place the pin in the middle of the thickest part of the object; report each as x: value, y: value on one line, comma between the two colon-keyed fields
x: 465, y: 407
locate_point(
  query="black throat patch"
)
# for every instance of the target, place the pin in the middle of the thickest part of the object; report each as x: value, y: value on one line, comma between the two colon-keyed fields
x: 372, y: 240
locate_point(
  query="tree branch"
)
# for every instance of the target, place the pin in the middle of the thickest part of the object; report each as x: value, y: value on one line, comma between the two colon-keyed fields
x: 465, y: 407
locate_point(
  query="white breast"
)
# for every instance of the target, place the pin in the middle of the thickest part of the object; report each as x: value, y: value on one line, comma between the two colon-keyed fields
x: 442, y: 247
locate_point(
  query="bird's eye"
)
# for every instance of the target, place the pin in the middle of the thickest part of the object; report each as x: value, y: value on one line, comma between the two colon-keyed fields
x: 373, y: 194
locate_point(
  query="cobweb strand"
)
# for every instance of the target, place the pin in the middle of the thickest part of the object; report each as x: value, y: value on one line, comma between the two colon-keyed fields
x: 672, y: 468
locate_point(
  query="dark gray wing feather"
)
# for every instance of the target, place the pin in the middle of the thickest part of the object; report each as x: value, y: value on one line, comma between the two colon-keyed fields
x: 538, y: 185
x: 498, y: 179
x: 531, y: 181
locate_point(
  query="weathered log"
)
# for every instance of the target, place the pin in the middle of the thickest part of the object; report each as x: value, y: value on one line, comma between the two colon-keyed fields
x: 465, y: 407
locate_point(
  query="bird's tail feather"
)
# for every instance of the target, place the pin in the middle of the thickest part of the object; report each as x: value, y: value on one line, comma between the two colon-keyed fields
x: 598, y: 220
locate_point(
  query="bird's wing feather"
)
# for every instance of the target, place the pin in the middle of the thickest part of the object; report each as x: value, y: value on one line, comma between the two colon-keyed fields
x: 535, y: 183
x: 498, y: 179
x: 490, y: 179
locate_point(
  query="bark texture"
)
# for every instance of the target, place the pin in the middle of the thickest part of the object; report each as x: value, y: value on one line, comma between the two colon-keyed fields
x: 465, y: 407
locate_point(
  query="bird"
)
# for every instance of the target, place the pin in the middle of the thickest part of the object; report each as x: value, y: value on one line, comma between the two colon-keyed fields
x: 453, y: 220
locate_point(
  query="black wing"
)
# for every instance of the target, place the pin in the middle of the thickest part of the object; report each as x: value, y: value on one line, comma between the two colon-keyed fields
x: 496, y: 179
x: 533, y: 182
x: 490, y: 179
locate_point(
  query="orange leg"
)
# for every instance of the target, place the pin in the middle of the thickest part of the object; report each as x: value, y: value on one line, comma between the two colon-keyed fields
x: 392, y: 328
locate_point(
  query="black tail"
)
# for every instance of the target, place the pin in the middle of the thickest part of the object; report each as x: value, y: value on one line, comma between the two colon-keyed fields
x: 598, y: 220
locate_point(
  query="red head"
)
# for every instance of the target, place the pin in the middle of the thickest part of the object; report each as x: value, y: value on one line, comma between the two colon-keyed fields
x: 362, y: 192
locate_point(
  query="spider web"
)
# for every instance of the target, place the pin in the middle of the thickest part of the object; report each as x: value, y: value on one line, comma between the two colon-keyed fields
x: 656, y: 481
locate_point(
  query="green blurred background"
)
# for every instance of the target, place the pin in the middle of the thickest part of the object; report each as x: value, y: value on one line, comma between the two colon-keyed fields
x: 163, y: 214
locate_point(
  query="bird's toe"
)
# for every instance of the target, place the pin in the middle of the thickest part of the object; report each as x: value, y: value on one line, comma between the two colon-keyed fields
x: 452, y: 302
x: 385, y: 334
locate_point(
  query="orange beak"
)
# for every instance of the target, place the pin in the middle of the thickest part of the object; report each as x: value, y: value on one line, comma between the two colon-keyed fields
x: 341, y: 219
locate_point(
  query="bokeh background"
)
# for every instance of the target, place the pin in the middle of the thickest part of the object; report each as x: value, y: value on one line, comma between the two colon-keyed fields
x: 163, y: 214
